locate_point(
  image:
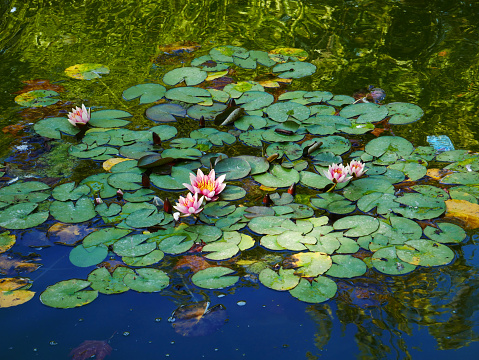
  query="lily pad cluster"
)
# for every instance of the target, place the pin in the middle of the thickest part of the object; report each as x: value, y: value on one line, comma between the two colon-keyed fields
x: 293, y: 139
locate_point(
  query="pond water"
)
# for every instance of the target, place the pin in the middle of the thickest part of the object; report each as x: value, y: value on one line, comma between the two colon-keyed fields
x: 420, y: 52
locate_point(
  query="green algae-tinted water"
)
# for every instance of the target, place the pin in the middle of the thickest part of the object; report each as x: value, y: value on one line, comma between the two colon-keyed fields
x: 422, y: 52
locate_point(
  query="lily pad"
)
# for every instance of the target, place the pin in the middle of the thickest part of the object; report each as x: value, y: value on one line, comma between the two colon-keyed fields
x: 386, y: 261
x: 346, y: 266
x: 418, y: 206
x: 358, y: 225
x: 134, y: 245
x: 22, y: 216
x: 282, y: 280
x: 404, y: 113
x: 254, y: 100
x: 147, y: 93
x: 68, y: 191
x: 220, y: 250
x: 85, y: 257
x: 30, y: 191
x: 70, y: 212
x: 87, y: 71
x: 37, y: 98
x: 106, y: 283
x: 294, y: 70
x: 54, y: 127
x: 234, y: 168
x: 445, y: 233
x: 68, y: 294
x: 109, y: 118
x: 217, y: 277
x: 190, y: 75
x: 365, y: 112
x: 283, y: 111
x: 278, y: 177
x: 425, y: 253
x: 310, y: 264
x: 165, y: 112
x: 147, y: 280
x: 190, y: 95
x: 317, y: 291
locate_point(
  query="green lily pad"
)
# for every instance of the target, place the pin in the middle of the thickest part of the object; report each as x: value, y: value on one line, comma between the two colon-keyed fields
x: 54, y: 127
x: 254, y: 100
x: 191, y: 75
x: 413, y: 170
x: 386, y: 261
x: 252, y: 138
x: 217, y: 277
x: 338, y: 145
x: 179, y: 176
x: 225, y: 53
x: 234, y: 168
x: 431, y: 191
x: 291, y: 150
x: 365, y: 112
x: 147, y: 93
x: 254, y: 121
x: 346, y: 266
x: 389, y: 144
x: 319, y: 290
x: 106, y: 211
x: 282, y: 280
x: 220, y: 250
x: 98, y: 183
x: 314, y: 180
x: 418, y: 206
x: 469, y: 178
x: 283, y: 111
x: 446, y: 233
x: 177, y: 244
x: 293, y: 240
x: 149, y: 259
x: 134, y: 245
x: 106, y: 283
x: 358, y: 225
x: 68, y: 191
x: 294, y: 70
x: 271, y: 135
x: 404, y: 113
x: 6, y: 241
x: 165, y: 112
x: 190, y: 95
x: 68, y: 294
x: 365, y: 186
x: 21, y: 216
x: 37, y: 98
x: 425, y: 253
x: 30, y: 191
x: 207, y: 112
x: 70, y: 212
x: 334, y: 203
x: 278, y: 177
x: 340, y: 100
x: 109, y: 118
x: 104, y: 236
x: 85, y: 257
x: 147, y: 280
x: 218, y: 138
x: 235, y: 90
x: 205, y: 233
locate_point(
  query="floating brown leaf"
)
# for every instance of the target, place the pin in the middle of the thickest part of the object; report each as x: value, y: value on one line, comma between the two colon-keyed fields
x: 198, y: 319
x: 464, y: 210
x: 14, y: 264
x: 89, y: 348
x: 193, y: 262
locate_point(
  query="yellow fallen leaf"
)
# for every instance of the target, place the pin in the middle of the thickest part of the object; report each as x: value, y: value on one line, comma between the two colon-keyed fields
x: 108, y: 164
x: 6, y: 241
x: 14, y: 298
x: 267, y: 188
x: 269, y: 83
x: 464, y: 210
x: 216, y: 75
x: 10, y: 284
x: 437, y: 174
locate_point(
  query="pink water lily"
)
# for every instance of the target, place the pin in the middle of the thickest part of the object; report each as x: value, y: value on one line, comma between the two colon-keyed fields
x: 188, y: 206
x: 356, y: 168
x: 206, y: 185
x: 337, y: 173
x: 79, y: 116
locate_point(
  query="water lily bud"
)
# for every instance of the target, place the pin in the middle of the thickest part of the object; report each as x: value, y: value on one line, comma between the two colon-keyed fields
x: 202, y: 122
x: 267, y: 200
x: 292, y: 189
x: 156, y: 139
x: 145, y: 180
x: 167, y: 207
x: 98, y: 200
x: 119, y: 194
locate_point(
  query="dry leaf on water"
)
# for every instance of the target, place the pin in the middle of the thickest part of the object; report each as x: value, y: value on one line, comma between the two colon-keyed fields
x: 89, y: 348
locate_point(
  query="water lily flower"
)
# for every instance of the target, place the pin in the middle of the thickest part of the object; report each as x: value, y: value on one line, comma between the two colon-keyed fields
x: 79, y: 116
x: 356, y: 168
x: 206, y: 185
x: 188, y: 206
x: 337, y: 173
